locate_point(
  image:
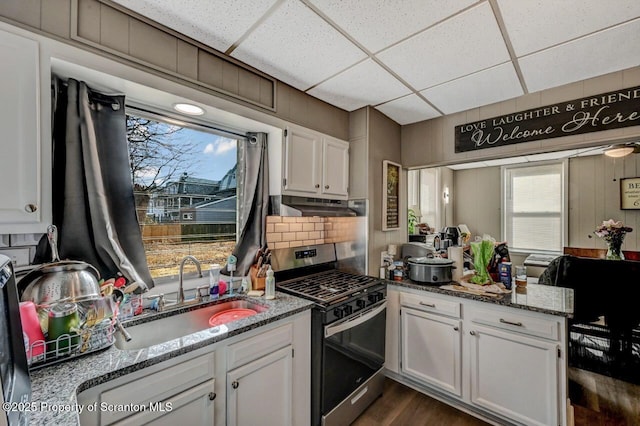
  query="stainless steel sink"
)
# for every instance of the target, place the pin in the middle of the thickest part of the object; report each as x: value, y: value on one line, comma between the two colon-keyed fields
x: 181, y: 324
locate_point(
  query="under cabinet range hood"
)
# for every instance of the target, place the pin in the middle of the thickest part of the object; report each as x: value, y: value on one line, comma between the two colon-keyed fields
x: 286, y: 205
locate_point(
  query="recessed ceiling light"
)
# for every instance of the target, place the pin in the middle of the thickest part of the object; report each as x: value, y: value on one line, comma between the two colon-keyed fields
x: 618, y: 151
x: 189, y: 109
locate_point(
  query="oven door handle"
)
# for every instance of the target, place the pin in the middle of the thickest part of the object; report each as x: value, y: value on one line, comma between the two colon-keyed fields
x: 354, y: 322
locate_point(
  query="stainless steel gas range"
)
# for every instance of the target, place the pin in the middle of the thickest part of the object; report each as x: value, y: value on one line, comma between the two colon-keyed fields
x: 347, y: 331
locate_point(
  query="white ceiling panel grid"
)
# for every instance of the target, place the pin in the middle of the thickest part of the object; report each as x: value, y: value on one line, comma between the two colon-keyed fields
x: 377, y: 24
x: 376, y: 52
x: 464, y: 44
x: 482, y: 88
x: 600, y: 53
x: 408, y: 109
x: 534, y: 25
x: 298, y: 47
x: 215, y: 23
x: 367, y: 83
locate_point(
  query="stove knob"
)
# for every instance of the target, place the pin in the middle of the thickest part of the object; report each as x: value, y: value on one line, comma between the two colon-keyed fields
x: 338, y: 312
x: 375, y: 297
x: 361, y: 303
x: 348, y: 310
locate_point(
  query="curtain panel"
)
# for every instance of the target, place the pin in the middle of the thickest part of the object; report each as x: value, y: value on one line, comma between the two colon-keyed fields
x: 93, y: 201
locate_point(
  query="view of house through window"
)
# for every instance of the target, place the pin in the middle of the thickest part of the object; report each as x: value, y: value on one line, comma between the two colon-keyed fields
x: 185, y: 191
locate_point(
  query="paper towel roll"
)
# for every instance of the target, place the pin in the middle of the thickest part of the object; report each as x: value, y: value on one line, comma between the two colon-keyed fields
x: 455, y: 253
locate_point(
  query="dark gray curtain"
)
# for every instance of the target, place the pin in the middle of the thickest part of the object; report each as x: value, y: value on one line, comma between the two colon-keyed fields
x: 253, y: 199
x: 93, y: 203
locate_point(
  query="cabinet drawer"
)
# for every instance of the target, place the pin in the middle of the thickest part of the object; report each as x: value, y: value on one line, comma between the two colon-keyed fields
x: 156, y: 387
x: 547, y: 328
x: 256, y: 347
x: 431, y: 304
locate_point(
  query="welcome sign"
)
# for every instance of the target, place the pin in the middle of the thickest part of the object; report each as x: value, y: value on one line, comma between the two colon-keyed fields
x: 611, y: 110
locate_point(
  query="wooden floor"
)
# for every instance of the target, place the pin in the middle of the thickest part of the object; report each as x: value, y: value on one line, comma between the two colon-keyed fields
x: 598, y: 401
x: 400, y: 405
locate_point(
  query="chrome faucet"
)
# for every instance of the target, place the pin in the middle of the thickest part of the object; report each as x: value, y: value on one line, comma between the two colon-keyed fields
x: 180, y: 288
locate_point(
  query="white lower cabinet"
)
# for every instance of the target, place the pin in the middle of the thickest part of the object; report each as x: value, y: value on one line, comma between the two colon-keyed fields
x: 195, y: 406
x: 514, y: 375
x: 506, y: 364
x: 432, y: 350
x: 258, y: 377
x: 260, y: 393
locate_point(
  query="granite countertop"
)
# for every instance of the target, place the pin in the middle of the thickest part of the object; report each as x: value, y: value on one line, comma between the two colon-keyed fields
x: 54, y: 388
x: 534, y: 297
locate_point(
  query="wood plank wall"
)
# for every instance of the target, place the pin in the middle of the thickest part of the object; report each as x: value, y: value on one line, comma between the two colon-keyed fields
x: 594, y: 196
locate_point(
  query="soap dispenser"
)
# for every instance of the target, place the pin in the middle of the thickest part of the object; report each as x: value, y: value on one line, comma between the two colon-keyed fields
x: 270, y: 285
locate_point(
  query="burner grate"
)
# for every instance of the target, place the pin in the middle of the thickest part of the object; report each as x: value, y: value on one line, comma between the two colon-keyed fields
x: 327, y: 286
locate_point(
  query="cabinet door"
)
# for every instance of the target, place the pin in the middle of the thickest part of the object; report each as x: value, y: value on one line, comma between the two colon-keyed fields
x: 20, y: 162
x: 335, y: 168
x: 260, y: 393
x: 431, y: 350
x: 302, y: 162
x: 194, y: 406
x: 514, y: 375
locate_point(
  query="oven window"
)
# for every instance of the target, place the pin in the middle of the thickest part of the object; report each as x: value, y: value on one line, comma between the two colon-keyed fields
x: 350, y: 358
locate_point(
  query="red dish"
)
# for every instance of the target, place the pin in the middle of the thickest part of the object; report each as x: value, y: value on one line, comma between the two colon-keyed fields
x: 230, y: 315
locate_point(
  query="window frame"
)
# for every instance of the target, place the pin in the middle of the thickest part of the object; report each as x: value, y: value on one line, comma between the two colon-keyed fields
x: 564, y: 214
x: 193, y: 123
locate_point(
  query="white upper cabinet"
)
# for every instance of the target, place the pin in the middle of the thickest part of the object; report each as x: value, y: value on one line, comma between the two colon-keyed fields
x: 335, y: 168
x: 302, y: 158
x: 315, y: 165
x: 21, y: 165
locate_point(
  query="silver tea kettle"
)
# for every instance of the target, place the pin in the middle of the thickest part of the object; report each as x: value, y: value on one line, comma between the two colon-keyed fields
x: 60, y: 280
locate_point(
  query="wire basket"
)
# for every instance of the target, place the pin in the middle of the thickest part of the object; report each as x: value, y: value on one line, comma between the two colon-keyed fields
x: 46, y: 352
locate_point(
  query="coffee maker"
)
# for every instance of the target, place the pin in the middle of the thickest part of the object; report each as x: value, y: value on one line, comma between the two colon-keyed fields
x: 451, y: 233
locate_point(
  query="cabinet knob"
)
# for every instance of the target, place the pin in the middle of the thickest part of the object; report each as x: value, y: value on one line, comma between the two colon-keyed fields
x: 235, y: 384
x: 455, y: 328
x: 317, y: 185
x: 473, y: 333
x: 212, y: 396
x: 30, y: 208
x: 326, y: 187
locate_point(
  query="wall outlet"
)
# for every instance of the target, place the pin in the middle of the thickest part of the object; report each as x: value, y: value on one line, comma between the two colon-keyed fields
x: 383, y: 256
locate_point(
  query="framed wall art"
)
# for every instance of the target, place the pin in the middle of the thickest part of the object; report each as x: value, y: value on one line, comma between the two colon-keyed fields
x: 391, y: 174
x: 630, y: 193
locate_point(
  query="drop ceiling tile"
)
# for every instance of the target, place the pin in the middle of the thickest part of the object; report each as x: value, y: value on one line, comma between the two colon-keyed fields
x: 534, y: 25
x: 364, y: 84
x: 607, y: 51
x: 462, y: 45
x: 407, y: 110
x: 217, y: 24
x: 482, y: 88
x: 377, y: 24
x: 298, y: 47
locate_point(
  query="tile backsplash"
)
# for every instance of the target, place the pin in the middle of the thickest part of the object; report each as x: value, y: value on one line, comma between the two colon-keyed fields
x: 284, y: 232
x: 20, y: 248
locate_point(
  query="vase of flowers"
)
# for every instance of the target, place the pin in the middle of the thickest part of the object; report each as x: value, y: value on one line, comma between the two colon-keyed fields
x: 613, y: 233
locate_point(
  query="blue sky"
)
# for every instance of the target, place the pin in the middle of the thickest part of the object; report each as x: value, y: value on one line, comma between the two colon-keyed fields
x: 205, y: 155
x: 215, y: 154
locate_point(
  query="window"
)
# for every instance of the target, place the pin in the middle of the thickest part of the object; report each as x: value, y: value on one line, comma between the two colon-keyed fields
x: 534, y: 207
x: 424, y: 195
x: 185, y: 191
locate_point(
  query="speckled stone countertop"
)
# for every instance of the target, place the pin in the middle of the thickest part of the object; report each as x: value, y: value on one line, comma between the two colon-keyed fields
x: 54, y: 387
x: 539, y: 298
